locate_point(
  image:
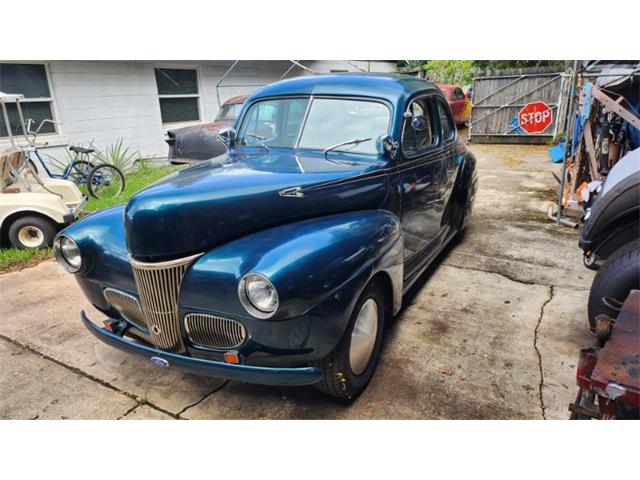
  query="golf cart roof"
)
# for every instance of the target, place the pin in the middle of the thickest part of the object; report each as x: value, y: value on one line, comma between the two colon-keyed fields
x: 10, y: 97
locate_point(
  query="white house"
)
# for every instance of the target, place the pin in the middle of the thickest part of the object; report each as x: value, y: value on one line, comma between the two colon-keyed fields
x: 101, y: 102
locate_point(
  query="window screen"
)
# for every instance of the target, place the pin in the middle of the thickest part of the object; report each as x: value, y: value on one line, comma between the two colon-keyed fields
x: 31, y: 81
x: 178, y: 93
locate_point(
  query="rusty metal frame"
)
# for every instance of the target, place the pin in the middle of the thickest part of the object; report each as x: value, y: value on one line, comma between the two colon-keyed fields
x: 585, y: 156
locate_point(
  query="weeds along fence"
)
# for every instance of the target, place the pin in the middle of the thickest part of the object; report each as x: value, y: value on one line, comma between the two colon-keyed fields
x: 498, y: 100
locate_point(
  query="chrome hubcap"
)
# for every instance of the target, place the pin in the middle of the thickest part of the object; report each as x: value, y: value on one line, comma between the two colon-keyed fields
x: 31, y: 236
x: 363, y: 337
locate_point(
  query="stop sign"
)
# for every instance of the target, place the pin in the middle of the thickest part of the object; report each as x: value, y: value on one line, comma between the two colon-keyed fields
x: 535, y: 117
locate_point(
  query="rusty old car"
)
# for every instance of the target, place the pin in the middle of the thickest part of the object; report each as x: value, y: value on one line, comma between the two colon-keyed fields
x: 199, y: 142
x: 280, y: 261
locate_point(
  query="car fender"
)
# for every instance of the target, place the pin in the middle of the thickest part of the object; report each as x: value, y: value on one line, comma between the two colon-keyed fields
x: 308, y: 262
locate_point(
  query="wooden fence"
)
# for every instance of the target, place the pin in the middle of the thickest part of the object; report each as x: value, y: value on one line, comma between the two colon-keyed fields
x: 497, y: 101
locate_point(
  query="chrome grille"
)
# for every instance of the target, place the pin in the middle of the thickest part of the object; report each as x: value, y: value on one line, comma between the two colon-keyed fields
x: 127, y: 305
x: 159, y: 286
x: 214, y: 332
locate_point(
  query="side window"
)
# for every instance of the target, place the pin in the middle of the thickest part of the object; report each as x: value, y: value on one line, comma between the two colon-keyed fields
x: 458, y: 94
x: 446, y: 123
x: 418, y: 133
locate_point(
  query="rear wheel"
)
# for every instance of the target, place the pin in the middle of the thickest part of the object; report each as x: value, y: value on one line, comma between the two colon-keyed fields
x: 349, y: 368
x: 619, y: 274
x: 105, y: 181
x: 80, y: 170
x: 32, y: 232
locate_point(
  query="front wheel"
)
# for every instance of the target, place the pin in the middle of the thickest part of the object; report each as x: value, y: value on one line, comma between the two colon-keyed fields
x: 32, y: 232
x: 349, y: 368
x: 105, y: 181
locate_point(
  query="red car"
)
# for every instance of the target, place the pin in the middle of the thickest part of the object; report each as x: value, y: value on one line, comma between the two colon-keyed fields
x: 458, y: 102
x: 200, y: 142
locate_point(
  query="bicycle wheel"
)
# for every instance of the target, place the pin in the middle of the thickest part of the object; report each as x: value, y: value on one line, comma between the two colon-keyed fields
x: 80, y: 170
x: 105, y: 181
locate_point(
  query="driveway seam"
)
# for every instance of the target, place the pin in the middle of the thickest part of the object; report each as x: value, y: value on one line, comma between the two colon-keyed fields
x: 88, y: 376
x: 508, y: 277
x: 131, y: 410
x: 535, y: 345
x: 204, y: 397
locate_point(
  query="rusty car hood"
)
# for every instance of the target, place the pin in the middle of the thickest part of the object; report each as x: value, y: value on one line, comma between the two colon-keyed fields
x: 243, y: 192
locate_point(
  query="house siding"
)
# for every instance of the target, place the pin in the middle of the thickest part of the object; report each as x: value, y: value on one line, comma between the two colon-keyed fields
x: 101, y: 102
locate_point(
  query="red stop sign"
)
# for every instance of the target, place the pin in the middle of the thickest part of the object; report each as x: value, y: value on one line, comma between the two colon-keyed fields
x: 535, y: 117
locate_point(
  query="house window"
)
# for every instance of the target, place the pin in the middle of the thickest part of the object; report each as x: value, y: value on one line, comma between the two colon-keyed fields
x: 30, y: 80
x: 178, y: 93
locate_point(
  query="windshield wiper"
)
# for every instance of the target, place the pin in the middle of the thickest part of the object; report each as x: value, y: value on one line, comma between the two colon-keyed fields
x: 259, y: 137
x: 353, y: 141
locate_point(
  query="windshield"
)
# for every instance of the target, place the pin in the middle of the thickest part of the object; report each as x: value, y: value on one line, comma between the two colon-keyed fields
x: 229, y: 111
x: 329, y: 122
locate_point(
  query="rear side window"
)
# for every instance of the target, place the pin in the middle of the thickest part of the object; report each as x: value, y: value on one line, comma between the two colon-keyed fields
x: 446, y: 122
x: 418, y: 133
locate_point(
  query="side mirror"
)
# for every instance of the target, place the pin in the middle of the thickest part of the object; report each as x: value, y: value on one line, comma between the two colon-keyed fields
x: 227, y: 135
x: 388, y: 145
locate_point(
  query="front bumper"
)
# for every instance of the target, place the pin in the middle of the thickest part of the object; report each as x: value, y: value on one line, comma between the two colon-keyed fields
x: 198, y: 366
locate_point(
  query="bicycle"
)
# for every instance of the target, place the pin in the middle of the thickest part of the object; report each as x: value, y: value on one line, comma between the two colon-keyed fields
x: 102, y: 181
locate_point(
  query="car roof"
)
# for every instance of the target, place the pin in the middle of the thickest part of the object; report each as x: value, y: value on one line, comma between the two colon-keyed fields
x: 236, y: 100
x: 388, y: 86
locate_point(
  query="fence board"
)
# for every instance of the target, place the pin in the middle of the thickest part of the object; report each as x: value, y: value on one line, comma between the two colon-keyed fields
x: 498, y: 100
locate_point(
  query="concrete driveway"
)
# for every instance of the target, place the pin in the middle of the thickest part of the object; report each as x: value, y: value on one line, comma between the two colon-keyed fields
x: 492, y: 331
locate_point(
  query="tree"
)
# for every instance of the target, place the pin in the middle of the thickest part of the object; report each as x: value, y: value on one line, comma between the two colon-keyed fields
x: 450, y: 71
x: 463, y: 71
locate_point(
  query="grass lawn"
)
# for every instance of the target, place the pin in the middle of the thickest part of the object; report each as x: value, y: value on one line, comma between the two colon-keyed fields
x: 13, y: 259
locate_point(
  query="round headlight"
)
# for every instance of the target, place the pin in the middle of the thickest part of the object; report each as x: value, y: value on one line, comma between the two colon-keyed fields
x: 258, y: 295
x: 68, y: 254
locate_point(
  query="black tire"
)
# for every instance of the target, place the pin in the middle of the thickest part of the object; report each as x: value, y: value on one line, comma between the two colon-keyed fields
x: 338, y: 379
x: 40, y: 230
x: 616, y: 278
x: 105, y: 181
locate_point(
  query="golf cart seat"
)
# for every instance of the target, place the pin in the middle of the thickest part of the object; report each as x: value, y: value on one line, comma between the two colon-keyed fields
x: 11, y: 161
x: 82, y: 150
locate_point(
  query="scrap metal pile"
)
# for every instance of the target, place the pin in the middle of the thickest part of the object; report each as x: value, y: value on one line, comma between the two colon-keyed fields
x: 603, y: 125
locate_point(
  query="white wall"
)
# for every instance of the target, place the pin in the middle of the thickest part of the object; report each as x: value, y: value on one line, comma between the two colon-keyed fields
x: 101, y: 102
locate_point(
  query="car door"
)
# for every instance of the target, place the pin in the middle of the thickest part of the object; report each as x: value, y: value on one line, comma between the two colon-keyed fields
x: 452, y: 158
x: 423, y: 182
x: 458, y: 104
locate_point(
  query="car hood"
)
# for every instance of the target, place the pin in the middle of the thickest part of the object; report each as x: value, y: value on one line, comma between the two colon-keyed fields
x: 239, y: 193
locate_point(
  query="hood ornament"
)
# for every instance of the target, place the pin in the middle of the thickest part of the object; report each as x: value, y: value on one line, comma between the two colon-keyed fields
x: 292, y: 192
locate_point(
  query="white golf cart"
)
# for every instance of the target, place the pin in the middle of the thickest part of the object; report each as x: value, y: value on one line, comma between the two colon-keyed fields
x: 32, y: 208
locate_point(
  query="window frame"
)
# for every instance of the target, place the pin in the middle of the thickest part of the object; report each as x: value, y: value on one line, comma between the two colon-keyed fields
x: 452, y: 123
x: 51, y: 99
x: 434, y: 122
x: 198, y: 95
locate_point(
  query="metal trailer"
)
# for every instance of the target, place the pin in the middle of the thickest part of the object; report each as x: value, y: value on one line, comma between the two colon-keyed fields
x: 608, y: 375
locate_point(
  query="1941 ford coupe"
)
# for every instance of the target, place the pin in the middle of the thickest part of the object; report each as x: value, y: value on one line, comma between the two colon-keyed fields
x: 278, y: 262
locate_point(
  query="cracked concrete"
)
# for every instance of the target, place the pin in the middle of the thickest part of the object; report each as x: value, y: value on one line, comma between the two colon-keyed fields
x: 543, y: 408
x: 492, y: 331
